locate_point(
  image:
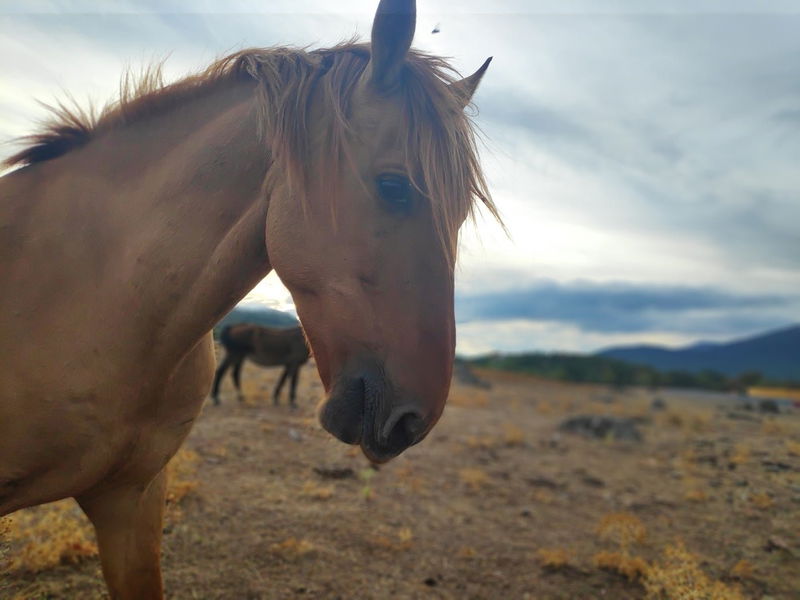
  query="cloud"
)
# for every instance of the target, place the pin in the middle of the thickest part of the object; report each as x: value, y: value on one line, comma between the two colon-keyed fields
x: 628, y: 308
x: 649, y: 144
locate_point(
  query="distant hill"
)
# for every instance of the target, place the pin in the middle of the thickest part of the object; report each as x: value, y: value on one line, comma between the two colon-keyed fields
x: 775, y: 354
x: 259, y: 315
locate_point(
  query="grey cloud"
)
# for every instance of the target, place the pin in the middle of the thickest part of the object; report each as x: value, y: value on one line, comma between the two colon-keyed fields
x: 624, y: 307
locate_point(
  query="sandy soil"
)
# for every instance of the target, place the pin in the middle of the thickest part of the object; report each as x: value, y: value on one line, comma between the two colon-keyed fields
x: 466, y: 514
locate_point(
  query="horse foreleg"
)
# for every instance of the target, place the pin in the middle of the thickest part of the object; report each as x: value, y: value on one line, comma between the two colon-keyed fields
x: 278, y: 387
x: 128, y: 522
x: 295, y: 375
x: 218, y: 375
x: 237, y: 371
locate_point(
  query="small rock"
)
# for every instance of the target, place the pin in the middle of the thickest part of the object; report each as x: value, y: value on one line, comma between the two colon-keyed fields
x: 777, y: 543
x: 335, y: 472
x: 775, y: 467
x: 593, y: 481
x: 737, y: 416
x: 542, y: 482
x: 658, y: 404
x: 768, y: 405
x: 602, y: 427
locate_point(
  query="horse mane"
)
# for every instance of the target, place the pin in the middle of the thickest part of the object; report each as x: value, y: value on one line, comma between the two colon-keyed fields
x: 440, y: 146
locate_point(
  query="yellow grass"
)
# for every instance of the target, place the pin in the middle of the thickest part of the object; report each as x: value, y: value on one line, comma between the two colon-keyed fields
x: 678, y: 577
x: 513, y: 435
x: 468, y: 398
x: 762, y: 501
x: 467, y: 552
x: 317, y: 492
x: 402, y: 539
x: 631, y: 567
x: 481, y: 442
x: 292, y: 548
x: 696, y: 495
x: 741, y: 454
x: 772, y: 427
x: 742, y: 570
x: 774, y: 392
x: 43, y: 537
x: 793, y: 448
x: 624, y: 529
x: 553, y: 558
x: 475, y: 479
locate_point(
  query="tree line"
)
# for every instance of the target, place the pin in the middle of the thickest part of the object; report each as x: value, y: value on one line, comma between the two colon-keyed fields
x: 614, y: 372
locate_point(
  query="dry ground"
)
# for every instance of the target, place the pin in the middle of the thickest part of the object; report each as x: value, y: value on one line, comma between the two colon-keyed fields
x: 494, y: 504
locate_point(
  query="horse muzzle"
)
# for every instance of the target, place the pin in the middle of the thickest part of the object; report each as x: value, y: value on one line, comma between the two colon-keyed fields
x: 364, y: 408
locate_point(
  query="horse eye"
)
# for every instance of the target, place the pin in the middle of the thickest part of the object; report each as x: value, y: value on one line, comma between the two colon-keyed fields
x: 395, y: 190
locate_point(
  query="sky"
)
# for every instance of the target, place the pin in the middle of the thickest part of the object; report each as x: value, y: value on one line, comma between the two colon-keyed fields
x: 644, y: 155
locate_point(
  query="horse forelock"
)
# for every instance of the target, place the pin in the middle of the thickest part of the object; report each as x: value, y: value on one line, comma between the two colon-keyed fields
x: 439, y: 146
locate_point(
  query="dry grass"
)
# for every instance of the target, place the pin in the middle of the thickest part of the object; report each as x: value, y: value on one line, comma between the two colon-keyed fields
x: 513, y: 435
x: 474, y: 479
x: 762, y: 500
x: 694, y: 490
x: 402, y: 539
x: 181, y: 481
x: 292, y: 549
x: 553, y: 559
x: 467, y: 552
x: 773, y: 427
x: 793, y: 448
x: 741, y: 454
x: 467, y: 397
x: 316, y: 492
x: 630, y: 567
x: 622, y: 529
x: 5, y: 528
x: 265, y: 527
x: 743, y: 569
x: 678, y: 577
x: 45, y: 536
x: 481, y: 442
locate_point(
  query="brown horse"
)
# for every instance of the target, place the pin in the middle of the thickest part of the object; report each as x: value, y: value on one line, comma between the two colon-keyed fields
x: 125, y: 237
x: 265, y: 346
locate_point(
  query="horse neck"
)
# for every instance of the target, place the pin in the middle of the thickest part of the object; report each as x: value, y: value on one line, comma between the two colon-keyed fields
x: 187, y: 202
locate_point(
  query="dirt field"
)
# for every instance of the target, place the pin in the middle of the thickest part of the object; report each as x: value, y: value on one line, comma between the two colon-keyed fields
x: 496, y: 503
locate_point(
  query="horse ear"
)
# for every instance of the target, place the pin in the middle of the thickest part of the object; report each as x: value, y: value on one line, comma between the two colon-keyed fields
x: 465, y: 88
x: 392, y: 32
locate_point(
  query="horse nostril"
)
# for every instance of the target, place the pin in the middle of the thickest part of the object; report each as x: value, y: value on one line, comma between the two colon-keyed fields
x: 406, y: 431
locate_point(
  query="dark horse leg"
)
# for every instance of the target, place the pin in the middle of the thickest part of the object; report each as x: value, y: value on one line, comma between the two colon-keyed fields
x: 295, y: 375
x: 278, y: 387
x: 237, y: 371
x: 224, y: 366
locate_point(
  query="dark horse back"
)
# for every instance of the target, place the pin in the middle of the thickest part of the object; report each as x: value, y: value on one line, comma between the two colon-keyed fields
x: 264, y: 346
x: 238, y: 344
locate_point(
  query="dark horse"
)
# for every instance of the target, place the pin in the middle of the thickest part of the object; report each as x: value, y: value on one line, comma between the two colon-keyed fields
x: 264, y: 346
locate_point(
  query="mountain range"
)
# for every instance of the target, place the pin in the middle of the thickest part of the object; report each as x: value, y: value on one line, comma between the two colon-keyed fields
x: 258, y: 315
x: 775, y: 354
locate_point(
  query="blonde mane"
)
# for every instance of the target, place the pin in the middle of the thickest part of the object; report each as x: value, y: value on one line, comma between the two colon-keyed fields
x: 440, y: 147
